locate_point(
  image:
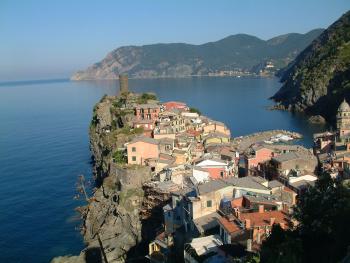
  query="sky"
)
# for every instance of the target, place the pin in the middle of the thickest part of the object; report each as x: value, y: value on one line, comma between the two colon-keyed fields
x: 43, y: 39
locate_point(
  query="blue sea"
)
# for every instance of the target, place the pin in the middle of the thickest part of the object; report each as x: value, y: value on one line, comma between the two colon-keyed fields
x: 44, y: 146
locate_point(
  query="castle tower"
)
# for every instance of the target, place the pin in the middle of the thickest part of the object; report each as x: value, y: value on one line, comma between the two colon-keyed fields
x: 343, y: 119
x: 123, y: 83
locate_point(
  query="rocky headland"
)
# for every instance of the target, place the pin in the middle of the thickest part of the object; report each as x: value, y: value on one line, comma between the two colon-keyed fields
x: 111, y: 219
x: 234, y: 55
x: 319, y: 78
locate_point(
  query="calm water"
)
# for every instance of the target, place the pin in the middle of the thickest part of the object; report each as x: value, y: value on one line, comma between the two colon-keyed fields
x: 44, y: 147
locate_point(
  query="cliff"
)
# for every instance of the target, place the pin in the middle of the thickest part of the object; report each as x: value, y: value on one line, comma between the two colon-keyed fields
x: 240, y: 52
x: 319, y: 78
x: 113, y: 212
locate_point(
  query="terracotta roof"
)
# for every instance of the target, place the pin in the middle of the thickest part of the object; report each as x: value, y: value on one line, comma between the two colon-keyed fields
x: 263, y: 219
x: 194, y: 132
x: 230, y: 227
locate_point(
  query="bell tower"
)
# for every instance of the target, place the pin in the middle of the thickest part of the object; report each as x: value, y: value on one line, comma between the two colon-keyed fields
x: 343, y: 119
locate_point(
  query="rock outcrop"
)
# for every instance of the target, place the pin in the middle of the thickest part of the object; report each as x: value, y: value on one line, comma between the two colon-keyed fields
x: 319, y: 78
x: 112, y: 219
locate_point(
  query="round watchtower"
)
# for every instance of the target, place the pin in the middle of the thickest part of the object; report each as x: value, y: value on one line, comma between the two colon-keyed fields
x: 123, y: 83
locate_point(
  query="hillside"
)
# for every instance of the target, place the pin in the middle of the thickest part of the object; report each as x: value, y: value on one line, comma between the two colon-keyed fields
x: 319, y: 78
x: 237, y: 52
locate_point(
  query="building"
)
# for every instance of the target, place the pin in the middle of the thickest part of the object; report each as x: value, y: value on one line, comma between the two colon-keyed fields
x: 215, y: 138
x: 216, y: 168
x: 254, y: 157
x: 142, y: 148
x: 292, y: 162
x: 148, y: 111
x: 251, y: 228
x: 170, y: 105
x: 201, y: 249
x: 216, y: 126
x: 343, y: 119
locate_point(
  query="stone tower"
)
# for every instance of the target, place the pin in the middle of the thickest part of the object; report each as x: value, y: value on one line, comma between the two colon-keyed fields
x: 343, y: 119
x: 123, y: 83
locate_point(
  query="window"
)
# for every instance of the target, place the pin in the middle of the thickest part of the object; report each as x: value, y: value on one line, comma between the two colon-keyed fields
x: 209, y: 203
x: 133, y: 149
x: 222, y: 173
x: 133, y: 158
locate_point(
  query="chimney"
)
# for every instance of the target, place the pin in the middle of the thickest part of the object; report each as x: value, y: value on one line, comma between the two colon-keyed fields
x: 249, y: 245
x: 272, y: 221
x: 238, y: 214
x: 261, y: 209
x: 284, y: 207
x: 247, y: 224
x: 258, y: 239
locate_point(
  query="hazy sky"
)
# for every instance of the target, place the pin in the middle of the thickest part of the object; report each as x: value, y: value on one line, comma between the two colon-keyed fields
x: 51, y: 39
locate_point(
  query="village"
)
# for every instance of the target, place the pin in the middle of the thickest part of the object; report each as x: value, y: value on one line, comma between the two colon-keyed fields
x: 219, y: 196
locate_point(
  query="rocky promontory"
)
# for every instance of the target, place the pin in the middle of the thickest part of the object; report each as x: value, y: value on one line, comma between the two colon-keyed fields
x: 111, y: 221
x: 236, y: 54
x: 319, y: 78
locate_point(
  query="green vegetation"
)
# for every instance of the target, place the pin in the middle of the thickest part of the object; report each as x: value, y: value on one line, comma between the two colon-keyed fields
x: 119, y: 102
x: 229, y: 53
x: 146, y: 97
x: 323, y: 232
x: 195, y: 110
x: 320, y: 75
x: 119, y: 157
x: 127, y: 130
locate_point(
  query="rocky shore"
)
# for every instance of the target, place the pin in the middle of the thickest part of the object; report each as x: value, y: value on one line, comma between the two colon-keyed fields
x: 113, y: 211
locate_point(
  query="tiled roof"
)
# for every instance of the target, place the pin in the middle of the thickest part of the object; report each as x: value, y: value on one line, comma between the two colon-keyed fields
x: 285, y: 157
x: 263, y: 219
x: 246, y: 182
x: 274, y: 183
x: 230, y: 227
x: 144, y: 139
x: 211, y: 186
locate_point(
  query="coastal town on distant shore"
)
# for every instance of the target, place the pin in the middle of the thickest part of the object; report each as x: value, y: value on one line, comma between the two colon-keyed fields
x: 218, y: 196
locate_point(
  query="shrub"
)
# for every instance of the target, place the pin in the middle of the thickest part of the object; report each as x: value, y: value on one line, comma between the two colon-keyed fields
x: 194, y: 110
x: 145, y: 97
x: 119, y: 157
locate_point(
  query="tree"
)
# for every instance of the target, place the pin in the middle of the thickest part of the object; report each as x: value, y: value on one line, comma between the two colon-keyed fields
x: 146, y: 97
x: 323, y: 230
x: 119, y: 157
x: 195, y: 110
x: 282, y: 246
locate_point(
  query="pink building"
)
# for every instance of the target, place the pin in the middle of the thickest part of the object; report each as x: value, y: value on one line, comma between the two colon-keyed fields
x: 257, y: 155
x: 147, y: 112
x: 142, y: 148
x: 175, y: 105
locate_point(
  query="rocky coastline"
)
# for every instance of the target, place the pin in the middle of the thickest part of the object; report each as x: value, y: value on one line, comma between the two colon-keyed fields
x: 114, y: 222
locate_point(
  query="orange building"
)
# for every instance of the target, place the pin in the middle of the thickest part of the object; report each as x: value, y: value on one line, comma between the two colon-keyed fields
x: 257, y: 224
x: 142, y: 148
